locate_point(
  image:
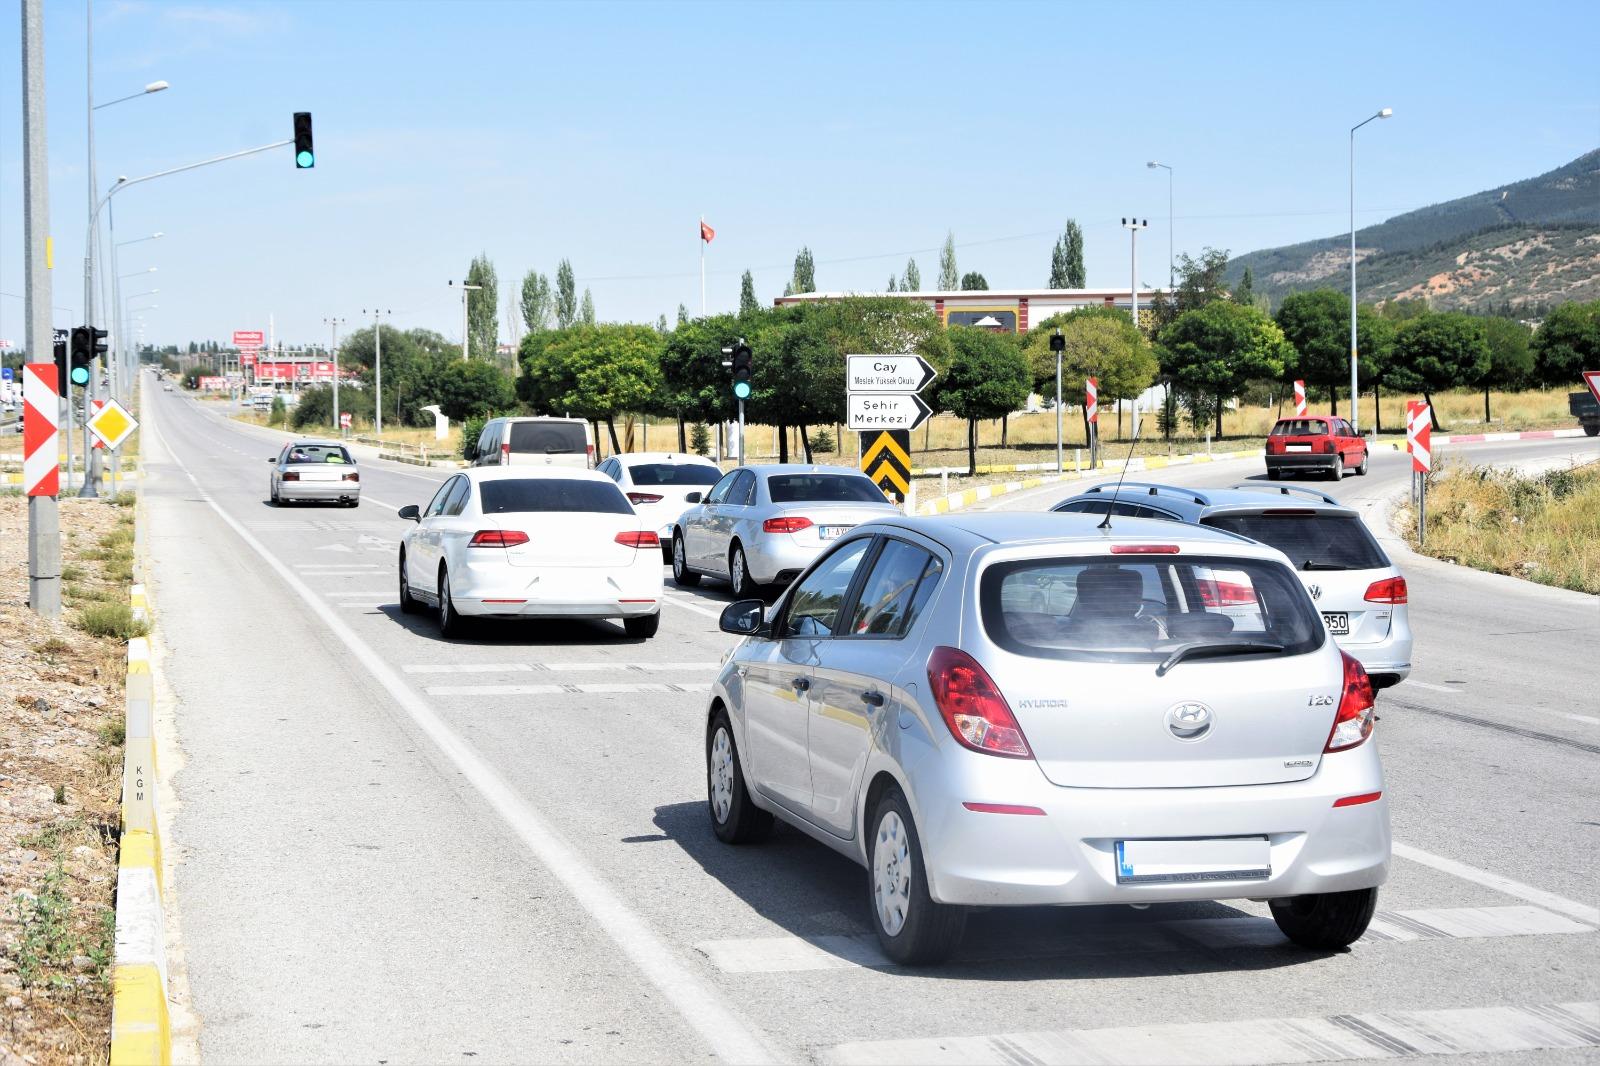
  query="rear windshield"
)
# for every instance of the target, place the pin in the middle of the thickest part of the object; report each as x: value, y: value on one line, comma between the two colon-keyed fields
x: 674, y: 474
x: 318, y: 453
x: 822, y: 488
x: 1300, y: 427
x: 1100, y: 610
x: 507, y: 495
x: 1312, y: 541
x: 548, y: 438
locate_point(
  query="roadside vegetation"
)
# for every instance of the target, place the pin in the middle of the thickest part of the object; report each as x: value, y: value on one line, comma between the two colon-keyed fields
x: 1544, y: 527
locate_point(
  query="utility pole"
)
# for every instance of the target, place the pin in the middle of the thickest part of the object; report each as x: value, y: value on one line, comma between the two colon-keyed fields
x: 1058, y: 344
x: 333, y: 324
x: 44, y: 520
x: 1133, y: 225
x: 465, y: 289
x: 377, y: 372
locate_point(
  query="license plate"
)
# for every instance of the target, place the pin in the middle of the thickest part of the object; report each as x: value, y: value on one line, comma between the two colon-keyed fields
x: 1297, y: 447
x: 319, y: 475
x: 831, y: 532
x: 1338, y: 623
x: 1170, y: 861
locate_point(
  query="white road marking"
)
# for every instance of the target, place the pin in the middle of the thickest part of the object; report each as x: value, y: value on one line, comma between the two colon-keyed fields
x: 551, y: 690
x: 381, y: 503
x: 1549, y: 900
x: 358, y: 595
x: 1456, y: 690
x: 1392, y: 1034
x: 678, y: 601
x: 729, y: 1036
x: 337, y: 566
x: 494, y: 668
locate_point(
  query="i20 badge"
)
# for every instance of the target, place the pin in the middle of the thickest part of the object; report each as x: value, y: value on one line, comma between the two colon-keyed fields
x: 1190, y: 721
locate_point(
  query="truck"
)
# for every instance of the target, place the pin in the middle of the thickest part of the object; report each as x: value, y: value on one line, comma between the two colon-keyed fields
x: 1586, y: 409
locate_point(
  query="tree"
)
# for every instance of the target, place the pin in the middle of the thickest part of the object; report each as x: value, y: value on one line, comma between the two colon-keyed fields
x: 683, y: 314
x: 595, y: 372
x: 987, y: 378
x: 472, y: 388
x: 538, y: 304
x: 566, y: 296
x: 483, y: 308
x: 972, y: 280
x: 661, y: 324
x: 1568, y: 343
x: 1066, y: 259
x: 805, y: 273
x: 911, y: 280
x: 1100, y: 343
x: 949, y: 279
x: 798, y: 374
x: 513, y: 316
x: 1444, y: 350
x: 586, y: 309
x: 1245, y: 291
x: 892, y: 283
x: 700, y: 439
x: 1510, y: 357
x: 1375, y: 342
x: 1317, y: 324
x: 1215, y: 351
x: 747, y: 294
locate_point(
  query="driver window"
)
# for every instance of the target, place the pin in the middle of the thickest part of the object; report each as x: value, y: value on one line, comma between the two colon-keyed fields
x: 720, y: 489
x: 814, y: 606
x: 441, y: 496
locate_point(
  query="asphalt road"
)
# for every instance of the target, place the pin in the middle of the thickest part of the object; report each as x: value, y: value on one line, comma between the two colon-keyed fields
x: 391, y: 848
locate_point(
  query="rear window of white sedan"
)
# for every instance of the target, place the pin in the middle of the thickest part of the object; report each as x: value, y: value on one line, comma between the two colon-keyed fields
x: 822, y: 488
x: 511, y: 496
x: 674, y: 474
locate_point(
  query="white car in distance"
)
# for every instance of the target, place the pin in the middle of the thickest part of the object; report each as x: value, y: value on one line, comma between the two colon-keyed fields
x: 661, y: 486
x: 531, y: 542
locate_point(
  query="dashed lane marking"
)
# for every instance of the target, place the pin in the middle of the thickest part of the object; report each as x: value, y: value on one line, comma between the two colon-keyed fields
x: 568, y: 689
x: 513, y: 668
x: 336, y: 566
x: 1456, y: 690
x: 1392, y: 1034
x: 1549, y: 900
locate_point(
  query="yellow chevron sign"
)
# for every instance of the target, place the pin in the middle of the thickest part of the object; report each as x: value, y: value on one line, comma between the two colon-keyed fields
x: 886, y: 459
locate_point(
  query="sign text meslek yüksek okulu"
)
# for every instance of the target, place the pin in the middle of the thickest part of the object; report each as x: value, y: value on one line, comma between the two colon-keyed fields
x: 887, y: 373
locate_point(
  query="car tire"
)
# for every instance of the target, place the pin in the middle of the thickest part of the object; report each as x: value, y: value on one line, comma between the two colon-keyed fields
x: 1591, y: 430
x: 644, y: 625
x: 739, y: 580
x: 1274, y: 475
x: 682, y: 576
x: 409, y: 604
x: 1326, y: 922
x: 1337, y: 473
x: 451, y: 624
x: 1361, y: 471
x: 735, y: 818
x: 353, y: 503
x: 272, y: 491
x: 912, y: 929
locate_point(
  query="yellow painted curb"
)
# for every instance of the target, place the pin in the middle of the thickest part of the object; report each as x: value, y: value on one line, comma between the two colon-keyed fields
x: 142, y: 850
x: 141, y: 1029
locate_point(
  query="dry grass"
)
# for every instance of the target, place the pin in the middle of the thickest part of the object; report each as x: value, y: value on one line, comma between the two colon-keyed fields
x: 1545, y: 528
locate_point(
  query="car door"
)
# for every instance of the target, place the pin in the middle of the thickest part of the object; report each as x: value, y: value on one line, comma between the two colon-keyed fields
x: 852, y: 696
x: 776, y: 705
x: 424, y: 562
x: 732, y: 521
x: 698, y: 537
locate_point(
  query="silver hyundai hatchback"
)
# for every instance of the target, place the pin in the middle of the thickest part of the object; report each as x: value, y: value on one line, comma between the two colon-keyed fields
x: 1026, y: 709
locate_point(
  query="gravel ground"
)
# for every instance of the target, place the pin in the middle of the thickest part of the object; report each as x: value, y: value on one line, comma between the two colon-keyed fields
x: 61, y: 715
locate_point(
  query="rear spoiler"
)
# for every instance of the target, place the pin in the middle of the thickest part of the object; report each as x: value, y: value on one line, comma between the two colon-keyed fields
x: 1286, y: 490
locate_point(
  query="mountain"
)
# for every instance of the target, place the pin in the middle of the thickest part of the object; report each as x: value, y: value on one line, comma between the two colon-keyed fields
x: 1536, y: 241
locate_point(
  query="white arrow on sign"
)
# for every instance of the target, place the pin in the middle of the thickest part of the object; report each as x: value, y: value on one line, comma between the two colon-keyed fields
x: 903, y: 410
x: 887, y: 373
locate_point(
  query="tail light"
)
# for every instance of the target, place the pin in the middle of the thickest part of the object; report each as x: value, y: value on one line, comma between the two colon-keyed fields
x: 785, y: 525
x: 1353, y: 723
x: 1144, y: 549
x: 497, y: 538
x: 588, y: 449
x: 1325, y: 444
x: 352, y: 476
x: 1389, y: 590
x: 973, y: 707
x: 505, y: 454
x: 644, y: 497
x: 645, y: 538
x: 290, y: 475
x: 1226, y: 594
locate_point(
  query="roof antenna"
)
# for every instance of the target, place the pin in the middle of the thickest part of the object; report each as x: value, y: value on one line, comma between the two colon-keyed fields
x: 1125, y: 461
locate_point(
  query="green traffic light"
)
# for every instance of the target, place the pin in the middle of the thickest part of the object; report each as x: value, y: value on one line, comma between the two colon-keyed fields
x: 741, y: 390
x: 80, y: 375
x: 305, y: 160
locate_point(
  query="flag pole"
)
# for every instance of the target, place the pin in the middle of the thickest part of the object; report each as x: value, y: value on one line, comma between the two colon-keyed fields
x: 702, y: 236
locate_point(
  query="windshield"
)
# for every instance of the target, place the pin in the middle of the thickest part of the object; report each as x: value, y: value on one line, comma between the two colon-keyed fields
x: 1300, y: 427
x: 1099, y: 610
x: 674, y: 474
x: 506, y: 496
x: 548, y: 438
x: 823, y: 488
x: 1312, y: 541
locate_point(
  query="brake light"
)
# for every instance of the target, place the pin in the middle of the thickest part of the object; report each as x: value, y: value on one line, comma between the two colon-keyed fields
x: 497, y: 538
x: 505, y: 453
x: 973, y: 707
x: 1353, y: 723
x: 1144, y: 549
x: 644, y: 538
x: 1325, y: 444
x: 1389, y: 590
x: 588, y: 449
x: 785, y: 525
x: 643, y: 497
x: 290, y: 475
x: 1001, y: 808
x: 1225, y: 594
x: 352, y: 476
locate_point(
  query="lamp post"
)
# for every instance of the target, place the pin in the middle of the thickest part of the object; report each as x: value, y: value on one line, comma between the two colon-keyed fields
x: 1355, y: 394
x: 122, y: 348
x: 377, y: 369
x: 1133, y: 226
x: 465, y: 289
x: 1170, y: 274
x: 334, y: 324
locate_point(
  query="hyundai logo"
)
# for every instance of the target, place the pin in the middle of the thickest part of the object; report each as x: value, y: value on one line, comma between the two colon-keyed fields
x: 1189, y: 721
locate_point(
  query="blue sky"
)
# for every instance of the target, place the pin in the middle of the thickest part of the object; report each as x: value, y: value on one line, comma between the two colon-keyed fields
x: 600, y: 132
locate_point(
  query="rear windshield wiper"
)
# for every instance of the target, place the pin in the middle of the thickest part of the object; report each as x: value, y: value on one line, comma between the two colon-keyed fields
x: 559, y: 451
x: 1220, y: 647
x: 1322, y: 564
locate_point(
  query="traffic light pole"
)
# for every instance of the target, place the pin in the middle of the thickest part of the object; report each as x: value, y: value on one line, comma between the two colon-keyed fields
x: 741, y: 433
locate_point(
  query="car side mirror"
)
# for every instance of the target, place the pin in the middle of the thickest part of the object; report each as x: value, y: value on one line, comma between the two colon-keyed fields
x: 411, y: 511
x: 272, y: 458
x: 743, y: 618
x: 695, y: 497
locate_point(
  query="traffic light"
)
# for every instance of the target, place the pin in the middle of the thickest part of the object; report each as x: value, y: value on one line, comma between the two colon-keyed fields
x: 305, y: 157
x: 81, y: 354
x: 741, y: 370
x: 61, y: 337
x: 101, y: 346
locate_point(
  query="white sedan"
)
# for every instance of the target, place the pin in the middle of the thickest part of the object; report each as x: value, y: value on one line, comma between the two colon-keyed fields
x: 531, y: 542
x: 661, y: 486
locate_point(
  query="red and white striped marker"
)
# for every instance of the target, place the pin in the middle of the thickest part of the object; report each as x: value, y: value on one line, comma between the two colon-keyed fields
x: 1300, y: 399
x: 98, y: 444
x: 1419, y: 436
x: 41, y: 442
x: 1091, y: 399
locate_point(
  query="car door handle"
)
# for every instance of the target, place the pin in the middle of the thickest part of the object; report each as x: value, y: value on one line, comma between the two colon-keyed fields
x: 801, y: 684
x: 872, y: 699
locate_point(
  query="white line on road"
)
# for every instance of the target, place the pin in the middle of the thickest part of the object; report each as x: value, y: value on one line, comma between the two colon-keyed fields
x: 679, y: 601
x: 730, y: 1036
x: 495, y: 668
x: 1549, y: 900
x: 1456, y: 690
x: 336, y: 566
x: 569, y: 689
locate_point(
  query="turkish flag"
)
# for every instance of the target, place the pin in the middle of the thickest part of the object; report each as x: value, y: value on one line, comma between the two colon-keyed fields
x: 706, y: 232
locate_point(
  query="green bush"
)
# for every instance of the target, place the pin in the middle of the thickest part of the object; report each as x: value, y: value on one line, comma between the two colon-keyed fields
x: 111, y: 620
x: 700, y: 439
x: 316, y: 406
x: 821, y: 441
x: 471, y: 430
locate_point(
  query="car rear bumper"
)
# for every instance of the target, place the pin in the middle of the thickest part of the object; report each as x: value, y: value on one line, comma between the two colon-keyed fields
x: 1387, y: 661
x: 319, y: 490
x: 1067, y: 855
x: 1301, y: 461
x: 572, y: 592
x: 773, y: 561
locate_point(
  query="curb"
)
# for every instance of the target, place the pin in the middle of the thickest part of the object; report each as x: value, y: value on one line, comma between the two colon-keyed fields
x: 957, y: 501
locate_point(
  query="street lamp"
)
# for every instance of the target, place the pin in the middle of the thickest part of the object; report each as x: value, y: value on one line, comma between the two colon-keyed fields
x: 377, y: 368
x: 1170, y: 275
x: 153, y: 87
x: 465, y: 288
x: 1355, y: 394
x: 334, y: 324
x: 1133, y: 226
x: 123, y: 351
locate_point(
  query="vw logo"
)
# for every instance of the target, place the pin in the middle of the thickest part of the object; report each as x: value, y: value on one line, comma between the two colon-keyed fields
x: 1315, y: 590
x: 1189, y: 721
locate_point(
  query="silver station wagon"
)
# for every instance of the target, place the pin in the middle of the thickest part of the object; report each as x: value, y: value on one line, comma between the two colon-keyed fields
x: 1026, y: 709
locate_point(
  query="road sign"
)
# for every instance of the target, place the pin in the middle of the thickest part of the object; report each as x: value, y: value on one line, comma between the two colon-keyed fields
x: 112, y: 424
x: 99, y: 445
x: 886, y: 459
x: 890, y: 410
x: 1091, y: 399
x: 41, y: 443
x: 1591, y: 378
x: 247, y: 338
x: 1419, y: 436
x: 1300, y: 399
x: 5, y: 374
x: 887, y: 373
x: 344, y: 420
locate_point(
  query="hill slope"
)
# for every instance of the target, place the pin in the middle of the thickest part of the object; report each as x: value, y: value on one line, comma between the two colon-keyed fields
x: 1535, y: 240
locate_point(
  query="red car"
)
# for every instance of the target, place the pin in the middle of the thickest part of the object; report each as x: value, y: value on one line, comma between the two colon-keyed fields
x: 1321, y: 443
